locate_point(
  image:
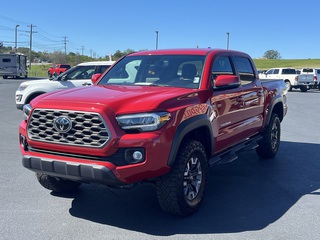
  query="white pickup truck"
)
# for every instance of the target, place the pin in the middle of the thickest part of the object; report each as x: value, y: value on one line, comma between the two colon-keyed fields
x: 313, y: 76
x: 291, y: 78
x: 77, y: 76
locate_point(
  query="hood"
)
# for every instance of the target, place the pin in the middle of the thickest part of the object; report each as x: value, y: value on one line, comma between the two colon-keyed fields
x: 119, y: 99
x: 33, y: 82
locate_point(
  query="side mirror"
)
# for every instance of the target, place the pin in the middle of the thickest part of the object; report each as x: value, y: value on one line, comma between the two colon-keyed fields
x: 95, y: 78
x: 226, y: 81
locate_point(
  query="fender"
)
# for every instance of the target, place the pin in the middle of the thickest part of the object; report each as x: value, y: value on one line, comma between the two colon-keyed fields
x: 274, y: 106
x: 185, y: 128
x: 33, y: 95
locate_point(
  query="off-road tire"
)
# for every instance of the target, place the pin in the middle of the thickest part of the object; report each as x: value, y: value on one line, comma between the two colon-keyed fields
x: 270, y: 143
x: 57, y: 184
x: 181, y: 191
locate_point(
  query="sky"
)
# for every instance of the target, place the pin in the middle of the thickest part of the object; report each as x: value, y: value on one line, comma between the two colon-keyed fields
x: 98, y: 28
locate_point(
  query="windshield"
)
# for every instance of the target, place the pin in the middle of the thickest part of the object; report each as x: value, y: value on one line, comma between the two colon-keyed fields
x: 157, y: 70
x: 77, y: 73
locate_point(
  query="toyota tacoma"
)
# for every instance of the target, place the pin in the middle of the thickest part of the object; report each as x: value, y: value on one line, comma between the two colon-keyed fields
x: 161, y: 116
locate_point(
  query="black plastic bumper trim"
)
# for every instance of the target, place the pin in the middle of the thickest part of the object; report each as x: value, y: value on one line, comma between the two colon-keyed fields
x: 71, y: 170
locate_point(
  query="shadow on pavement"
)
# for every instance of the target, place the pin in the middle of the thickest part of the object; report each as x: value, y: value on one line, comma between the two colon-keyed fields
x: 246, y: 195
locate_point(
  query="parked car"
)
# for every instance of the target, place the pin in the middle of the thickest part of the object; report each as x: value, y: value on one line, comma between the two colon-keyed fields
x: 57, y: 70
x: 13, y: 65
x: 306, y: 81
x: 315, y: 72
x: 77, y: 76
x: 289, y: 76
x: 160, y: 117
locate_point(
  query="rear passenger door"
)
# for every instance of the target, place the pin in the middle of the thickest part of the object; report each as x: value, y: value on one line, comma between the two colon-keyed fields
x: 252, y: 95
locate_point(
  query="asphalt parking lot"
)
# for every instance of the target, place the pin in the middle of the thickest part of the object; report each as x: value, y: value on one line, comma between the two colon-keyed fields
x: 246, y: 199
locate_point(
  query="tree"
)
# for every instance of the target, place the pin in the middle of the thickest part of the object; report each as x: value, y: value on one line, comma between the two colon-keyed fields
x: 272, y: 54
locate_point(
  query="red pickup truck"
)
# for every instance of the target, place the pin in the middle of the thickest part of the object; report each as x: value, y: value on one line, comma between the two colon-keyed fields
x: 57, y: 70
x: 162, y: 116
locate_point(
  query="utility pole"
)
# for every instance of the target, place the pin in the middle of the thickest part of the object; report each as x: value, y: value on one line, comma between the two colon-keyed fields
x: 228, y: 37
x: 65, y: 45
x: 16, y: 38
x: 157, y: 35
x: 65, y: 49
x: 82, y: 48
x: 30, y: 48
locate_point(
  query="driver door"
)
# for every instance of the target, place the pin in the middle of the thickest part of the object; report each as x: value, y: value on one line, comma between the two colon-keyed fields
x: 227, y: 107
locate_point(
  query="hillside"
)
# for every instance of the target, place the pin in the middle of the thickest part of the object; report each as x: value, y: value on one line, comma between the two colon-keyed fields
x: 264, y: 64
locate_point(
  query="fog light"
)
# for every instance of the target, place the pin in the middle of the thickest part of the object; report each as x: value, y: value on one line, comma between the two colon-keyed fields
x: 134, y: 155
x: 24, y: 142
x: 137, y: 155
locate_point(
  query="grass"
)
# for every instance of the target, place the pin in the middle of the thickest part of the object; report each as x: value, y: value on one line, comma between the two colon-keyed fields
x: 261, y: 64
x: 39, y: 70
x: 265, y: 64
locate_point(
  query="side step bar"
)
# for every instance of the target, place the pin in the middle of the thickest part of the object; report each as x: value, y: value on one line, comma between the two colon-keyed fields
x: 231, y: 154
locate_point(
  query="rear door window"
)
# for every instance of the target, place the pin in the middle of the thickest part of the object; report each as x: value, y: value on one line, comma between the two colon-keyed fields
x: 245, y: 69
x: 288, y: 71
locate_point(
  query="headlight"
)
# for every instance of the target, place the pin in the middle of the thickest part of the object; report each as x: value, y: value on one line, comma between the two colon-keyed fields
x: 26, y: 110
x: 22, y: 87
x: 143, y: 122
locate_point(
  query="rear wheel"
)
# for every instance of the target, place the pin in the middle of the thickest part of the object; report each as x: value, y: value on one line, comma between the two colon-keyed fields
x: 270, y: 143
x: 181, y: 191
x: 303, y: 88
x: 57, y: 184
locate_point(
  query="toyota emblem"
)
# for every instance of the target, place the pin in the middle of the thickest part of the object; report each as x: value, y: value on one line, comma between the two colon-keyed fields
x: 62, y: 124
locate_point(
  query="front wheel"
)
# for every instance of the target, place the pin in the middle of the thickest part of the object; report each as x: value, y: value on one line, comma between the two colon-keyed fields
x: 57, y: 184
x: 270, y: 143
x: 181, y: 191
x: 288, y: 85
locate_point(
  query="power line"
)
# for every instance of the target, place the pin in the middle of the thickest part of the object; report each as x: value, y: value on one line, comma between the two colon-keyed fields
x: 43, y: 40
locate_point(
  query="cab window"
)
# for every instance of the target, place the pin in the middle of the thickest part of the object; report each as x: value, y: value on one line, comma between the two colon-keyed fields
x: 245, y: 70
x: 221, y: 66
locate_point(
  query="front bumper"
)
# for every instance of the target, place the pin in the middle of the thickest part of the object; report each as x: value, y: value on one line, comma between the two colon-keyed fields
x: 70, y: 170
x: 19, y: 102
x: 19, y: 106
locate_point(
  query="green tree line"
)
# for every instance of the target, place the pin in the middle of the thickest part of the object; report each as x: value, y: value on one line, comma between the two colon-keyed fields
x: 60, y: 57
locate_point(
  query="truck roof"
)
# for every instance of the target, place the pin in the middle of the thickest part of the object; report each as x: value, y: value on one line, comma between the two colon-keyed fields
x: 96, y: 63
x: 12, y: 54
x: 191, y: 51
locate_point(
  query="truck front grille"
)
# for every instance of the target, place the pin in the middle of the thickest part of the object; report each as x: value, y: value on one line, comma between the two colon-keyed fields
x: 87, y: 129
